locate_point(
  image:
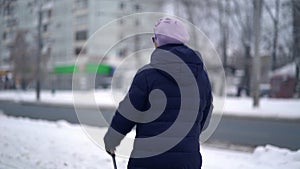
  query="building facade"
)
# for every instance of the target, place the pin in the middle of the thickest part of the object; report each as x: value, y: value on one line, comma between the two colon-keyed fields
x: 67, y: 25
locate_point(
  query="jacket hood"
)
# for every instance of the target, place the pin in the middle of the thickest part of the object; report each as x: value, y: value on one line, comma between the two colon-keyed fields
x: 175, y: 57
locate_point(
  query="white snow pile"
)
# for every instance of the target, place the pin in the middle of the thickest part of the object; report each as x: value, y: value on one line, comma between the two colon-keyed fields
x: 268, y: 157
x: 35, y: 144
x: 64, y: 97
x: 289, y: 69
x: 269, y: 108
x: 281, y: 158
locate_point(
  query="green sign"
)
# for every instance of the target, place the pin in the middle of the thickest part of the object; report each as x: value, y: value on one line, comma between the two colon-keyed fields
x: 88, y: 68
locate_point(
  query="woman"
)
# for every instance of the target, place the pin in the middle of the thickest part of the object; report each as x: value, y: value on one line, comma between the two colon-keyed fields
x: 170, y: 35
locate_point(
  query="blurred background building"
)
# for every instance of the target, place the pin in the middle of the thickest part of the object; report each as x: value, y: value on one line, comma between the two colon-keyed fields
x: 67, y: 25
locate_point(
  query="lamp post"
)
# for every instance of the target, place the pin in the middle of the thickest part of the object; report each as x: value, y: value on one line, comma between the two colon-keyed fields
x: 256, y: 59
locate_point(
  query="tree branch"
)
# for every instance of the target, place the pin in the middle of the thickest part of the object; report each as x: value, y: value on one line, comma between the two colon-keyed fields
x: 269, y: 12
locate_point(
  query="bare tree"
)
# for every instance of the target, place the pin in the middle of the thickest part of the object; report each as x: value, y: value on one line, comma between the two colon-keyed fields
x: 275, y: 20
x: 216, y: 12
x: 5, y: 6
x: 296, y: 45
x: 22, y: 58
x: 242, y: 18
x: 230, y: 24
x: 205, y: 15
x: 224, y: 13
x: 190, y: 11
x: 23, y: 53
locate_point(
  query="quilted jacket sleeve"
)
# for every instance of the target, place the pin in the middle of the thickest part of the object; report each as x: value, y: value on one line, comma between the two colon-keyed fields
x: 120, y: 126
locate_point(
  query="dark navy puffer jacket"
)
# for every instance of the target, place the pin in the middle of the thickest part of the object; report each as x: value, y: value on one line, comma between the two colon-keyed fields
x: 186, y: 154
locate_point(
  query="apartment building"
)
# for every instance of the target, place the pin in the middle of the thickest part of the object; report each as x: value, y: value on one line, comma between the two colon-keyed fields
x: 67, y: 25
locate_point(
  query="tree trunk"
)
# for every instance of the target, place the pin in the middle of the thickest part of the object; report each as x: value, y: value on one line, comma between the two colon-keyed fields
x: 223, y: 24
x: 296, y: 46
x: 247, y: 69
x: 275, y: 37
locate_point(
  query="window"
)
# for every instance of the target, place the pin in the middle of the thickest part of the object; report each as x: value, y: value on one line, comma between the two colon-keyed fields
x: 4, y: 36
x: 81, y: 4
x: 81, y: 19
x: 29, y: 4
x: 58, y: 25
x: 122, y: 5
x: 49, y: 13
x: 81, y: 35
x: 9, y: 10
x: 11, y: 22
x: 137, y: 7
x: 45, y: 28
x: 79, y: 50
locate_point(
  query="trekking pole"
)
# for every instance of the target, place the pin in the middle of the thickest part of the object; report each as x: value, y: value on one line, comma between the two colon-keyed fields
x: 113, y: 156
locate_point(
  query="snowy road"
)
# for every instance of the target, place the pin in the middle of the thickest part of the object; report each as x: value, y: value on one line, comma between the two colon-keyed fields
x: 233, y: 129
x: 36, y: 144
x: 258, y: 131
x: 241, y: 107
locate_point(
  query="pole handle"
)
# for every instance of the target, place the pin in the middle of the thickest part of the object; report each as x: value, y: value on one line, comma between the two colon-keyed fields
x: 113, y: 156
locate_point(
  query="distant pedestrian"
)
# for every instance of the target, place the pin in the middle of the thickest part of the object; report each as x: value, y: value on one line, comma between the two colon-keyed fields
x: 170, y: 35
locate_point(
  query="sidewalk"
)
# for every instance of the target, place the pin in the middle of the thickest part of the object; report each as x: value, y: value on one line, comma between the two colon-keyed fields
x: 38, y: 144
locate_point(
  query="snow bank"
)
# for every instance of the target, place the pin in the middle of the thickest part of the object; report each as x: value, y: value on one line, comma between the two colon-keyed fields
x: 101, y: 97
x: 35, y: 144
x: 268, y: 157
x: 25, y: 143
x: 269, y: 108
x: 289, y: 69
x: 281, y: 158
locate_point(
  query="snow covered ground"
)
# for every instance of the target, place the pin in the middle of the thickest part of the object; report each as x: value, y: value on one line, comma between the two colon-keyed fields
x: 102, y: 97
x: 37, y: 144
x: 269, y: 108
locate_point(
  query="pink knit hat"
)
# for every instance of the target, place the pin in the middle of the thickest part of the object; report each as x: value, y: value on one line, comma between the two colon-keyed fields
x: 169, y: 30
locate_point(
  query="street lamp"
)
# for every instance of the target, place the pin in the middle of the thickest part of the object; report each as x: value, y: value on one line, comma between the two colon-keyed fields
x: 256, y: 60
